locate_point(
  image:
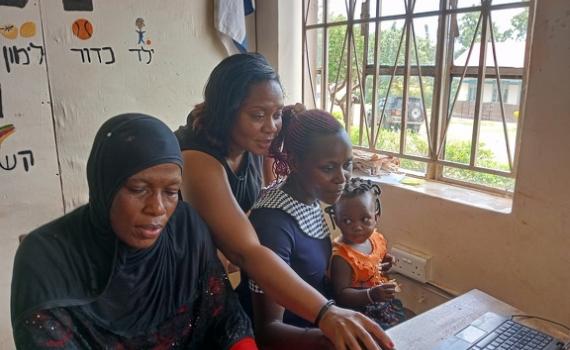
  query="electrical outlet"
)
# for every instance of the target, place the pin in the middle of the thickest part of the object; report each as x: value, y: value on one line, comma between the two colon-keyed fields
x: 411, y: 263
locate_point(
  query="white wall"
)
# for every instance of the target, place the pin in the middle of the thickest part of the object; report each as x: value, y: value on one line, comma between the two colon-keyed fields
x: 186, y: 48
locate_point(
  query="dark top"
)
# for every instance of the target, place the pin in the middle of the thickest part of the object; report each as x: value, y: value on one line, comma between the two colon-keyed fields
x: 75, y: 285
x: 307, y: 256
x: 245, y: 184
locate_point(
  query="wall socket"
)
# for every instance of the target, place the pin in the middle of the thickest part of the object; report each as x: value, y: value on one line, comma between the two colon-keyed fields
x: 411, y: 263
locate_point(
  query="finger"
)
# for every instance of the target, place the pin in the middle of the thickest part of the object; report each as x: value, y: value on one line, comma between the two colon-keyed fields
x: 351, y: 341
x: 339, y: 341
x: 374, y: 329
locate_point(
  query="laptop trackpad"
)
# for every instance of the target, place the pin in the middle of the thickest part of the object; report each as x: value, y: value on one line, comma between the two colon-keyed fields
x: 471, y: 334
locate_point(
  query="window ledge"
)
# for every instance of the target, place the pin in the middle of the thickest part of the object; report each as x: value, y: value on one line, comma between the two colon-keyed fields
x: 462, y: 195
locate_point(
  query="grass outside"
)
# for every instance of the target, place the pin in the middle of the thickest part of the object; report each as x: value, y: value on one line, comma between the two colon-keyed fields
x: 491, y: 149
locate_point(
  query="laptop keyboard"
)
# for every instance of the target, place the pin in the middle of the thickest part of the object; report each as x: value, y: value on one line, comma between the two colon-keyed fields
x: 511, y: 335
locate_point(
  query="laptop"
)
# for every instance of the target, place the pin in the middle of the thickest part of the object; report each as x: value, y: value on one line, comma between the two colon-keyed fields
x: 495, y: 332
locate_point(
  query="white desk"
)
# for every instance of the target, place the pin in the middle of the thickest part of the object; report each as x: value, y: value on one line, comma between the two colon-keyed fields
x: 426, y: 330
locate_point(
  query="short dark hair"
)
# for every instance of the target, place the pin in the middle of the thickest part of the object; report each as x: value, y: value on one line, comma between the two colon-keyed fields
x: 228, y: 86
x: 298, y: 131
x: 356, y: 187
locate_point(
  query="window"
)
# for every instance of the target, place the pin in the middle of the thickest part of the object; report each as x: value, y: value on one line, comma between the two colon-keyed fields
x: 437, y: 83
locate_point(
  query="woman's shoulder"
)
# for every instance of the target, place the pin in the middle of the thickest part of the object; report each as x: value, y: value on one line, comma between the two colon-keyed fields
x: 272, y: 217
x: 190, y: 140
x: 56, y: 234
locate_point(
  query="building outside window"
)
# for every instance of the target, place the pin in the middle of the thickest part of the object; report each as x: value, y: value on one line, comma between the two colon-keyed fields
x: 438, y: 83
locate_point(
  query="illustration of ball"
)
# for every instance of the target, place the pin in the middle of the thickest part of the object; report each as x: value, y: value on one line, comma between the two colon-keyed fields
x: 9, y: 31
x: 82, y: 28
x: 148, y: 42
x: 28, y: 30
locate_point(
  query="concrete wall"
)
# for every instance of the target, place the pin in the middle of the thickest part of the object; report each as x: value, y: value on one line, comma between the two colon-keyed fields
x: 180, y: 49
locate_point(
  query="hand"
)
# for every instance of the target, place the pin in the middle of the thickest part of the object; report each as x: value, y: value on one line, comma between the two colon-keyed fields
x: 349, y: 329
x: 383, y: 292
x: 387, y: 263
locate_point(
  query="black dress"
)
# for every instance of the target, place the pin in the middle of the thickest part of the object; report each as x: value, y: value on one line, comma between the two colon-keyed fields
x: 245, y: 183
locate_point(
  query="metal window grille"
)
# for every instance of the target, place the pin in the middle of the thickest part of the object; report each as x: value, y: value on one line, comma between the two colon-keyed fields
x: 437, y: 83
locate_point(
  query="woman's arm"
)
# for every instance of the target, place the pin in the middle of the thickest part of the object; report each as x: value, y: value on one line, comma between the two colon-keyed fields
x: 341, y: 276
x: 272, y: 334
x: 206, y: 187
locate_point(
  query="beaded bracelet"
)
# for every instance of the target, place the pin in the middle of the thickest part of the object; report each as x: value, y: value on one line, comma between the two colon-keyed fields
x: 323, y: 311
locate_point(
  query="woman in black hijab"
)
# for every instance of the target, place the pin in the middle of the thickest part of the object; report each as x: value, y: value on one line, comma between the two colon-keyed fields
x: 135, y: 267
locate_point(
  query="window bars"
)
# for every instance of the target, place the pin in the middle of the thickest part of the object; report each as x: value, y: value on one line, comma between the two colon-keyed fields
x: 446, y: 101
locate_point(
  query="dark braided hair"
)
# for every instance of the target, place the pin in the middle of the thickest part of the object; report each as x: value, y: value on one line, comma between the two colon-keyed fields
x: 299, y: 129
x: 354, y: 188
x: 228, y: 86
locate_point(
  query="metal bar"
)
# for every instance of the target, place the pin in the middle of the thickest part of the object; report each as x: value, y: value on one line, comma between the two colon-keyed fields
x: 450, y: 110
x: 424, y: 111
x: 506, y: 72
x: 364, y: 32
x: 404, y: 114
x: 308, y: 61
x: 377, y: 36
x: 424, y: 14
x: 348, y: 95
x: 400, y: 70
x: 475, y: 168
x: 480, y: 81
x: 499, y: 90
x: 389, y: 87
x: 440, y: 87
x: 527, y: 59
x: 338, y: 70
x: 455, y: 71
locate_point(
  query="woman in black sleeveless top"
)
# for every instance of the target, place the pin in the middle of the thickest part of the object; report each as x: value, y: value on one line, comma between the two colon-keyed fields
x: 225, y: 144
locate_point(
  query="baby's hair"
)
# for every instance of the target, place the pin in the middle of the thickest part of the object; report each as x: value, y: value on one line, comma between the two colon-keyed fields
x: 354, y: 188
x: 298, y: 131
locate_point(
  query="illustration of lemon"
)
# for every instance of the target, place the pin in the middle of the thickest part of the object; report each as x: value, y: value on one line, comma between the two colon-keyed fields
x: 28, y: 30
x: 9, y: 31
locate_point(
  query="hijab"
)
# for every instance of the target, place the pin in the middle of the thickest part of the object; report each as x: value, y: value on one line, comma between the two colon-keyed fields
x: 78, y: 261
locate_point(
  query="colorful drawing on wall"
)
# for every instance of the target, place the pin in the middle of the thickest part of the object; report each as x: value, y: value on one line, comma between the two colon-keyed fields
x: 6, y: 131
x: 139, y: 23
x: 82, y: 28
x: 15, y: 3
x: 78, y: 5
x: 28, y: 30
x: 9, y: 31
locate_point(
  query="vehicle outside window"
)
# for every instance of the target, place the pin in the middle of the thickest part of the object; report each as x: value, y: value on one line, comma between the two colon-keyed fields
x: 393, y: 113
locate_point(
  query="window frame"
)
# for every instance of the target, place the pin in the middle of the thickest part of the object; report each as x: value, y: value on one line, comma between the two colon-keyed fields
x: 443, y: 71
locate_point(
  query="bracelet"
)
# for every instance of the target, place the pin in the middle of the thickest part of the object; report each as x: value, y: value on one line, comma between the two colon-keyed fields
x: 323, y: 311
x: 369, y: 296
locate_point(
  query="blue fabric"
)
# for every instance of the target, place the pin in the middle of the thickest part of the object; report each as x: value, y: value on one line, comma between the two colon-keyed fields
x: 307, y: 256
